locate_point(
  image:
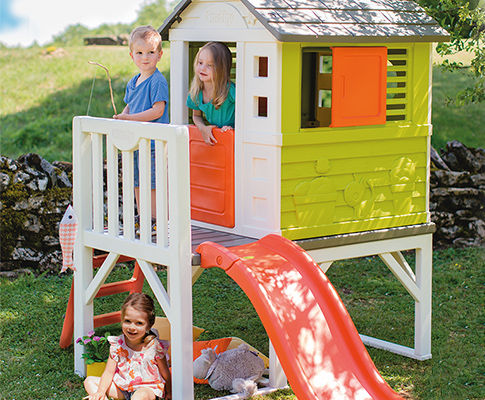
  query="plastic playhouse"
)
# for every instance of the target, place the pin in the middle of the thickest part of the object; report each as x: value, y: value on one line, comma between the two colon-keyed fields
x: 329, y: 160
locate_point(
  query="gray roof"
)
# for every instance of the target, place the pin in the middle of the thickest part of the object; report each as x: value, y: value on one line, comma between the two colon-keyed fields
x: 338, y: 20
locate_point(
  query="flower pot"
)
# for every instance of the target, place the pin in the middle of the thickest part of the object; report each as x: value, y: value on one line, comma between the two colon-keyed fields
x: 95, y: 369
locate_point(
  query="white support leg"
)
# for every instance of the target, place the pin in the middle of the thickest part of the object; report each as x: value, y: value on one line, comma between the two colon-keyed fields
x: 83, y: 313
x: 418, y: 284
x: 422, y: 318
x: 277, y: 378
x: 83, y: 256
x: 180, y: 271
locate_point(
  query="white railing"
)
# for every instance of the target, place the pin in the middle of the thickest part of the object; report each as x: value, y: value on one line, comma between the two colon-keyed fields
x: 98, y: 142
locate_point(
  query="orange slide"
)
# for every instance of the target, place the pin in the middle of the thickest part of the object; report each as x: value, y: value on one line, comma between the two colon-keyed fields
x: 316, y: 341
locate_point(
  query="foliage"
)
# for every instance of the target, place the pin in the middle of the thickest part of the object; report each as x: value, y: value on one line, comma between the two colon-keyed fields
x: 74, y: 34
x: 32, y: 366
x: 465, y: 21
x: 151, y: 12
x: 96, y: 348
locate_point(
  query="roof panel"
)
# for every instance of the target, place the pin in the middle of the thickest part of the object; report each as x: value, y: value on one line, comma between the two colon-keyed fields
x: 368, y: 4
x: 268, y: 3
x: 326, y: 20
x: 304, y: 16
x: 402, y: 5
x: 270, y: 15
x: 330, y: 30
x: 368, y: 16
x: 415, y: 30
x: 286, y: 30
x: 408, y: 17
x: 341, y: 4
x: 334, y: 16
x: 306, y: 4
x: 368, y: 30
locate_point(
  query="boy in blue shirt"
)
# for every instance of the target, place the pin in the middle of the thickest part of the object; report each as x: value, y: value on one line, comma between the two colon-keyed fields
x: 146, y: 94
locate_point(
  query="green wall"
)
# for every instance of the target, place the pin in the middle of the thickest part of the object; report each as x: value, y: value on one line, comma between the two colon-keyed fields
x: 342, y: 180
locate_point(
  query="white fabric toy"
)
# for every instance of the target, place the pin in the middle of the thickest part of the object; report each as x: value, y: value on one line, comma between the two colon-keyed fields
x: 238, y: 370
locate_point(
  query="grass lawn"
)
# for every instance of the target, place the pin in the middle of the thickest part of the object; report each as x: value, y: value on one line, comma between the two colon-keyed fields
x: 32, y: 366
x: 36, y: 111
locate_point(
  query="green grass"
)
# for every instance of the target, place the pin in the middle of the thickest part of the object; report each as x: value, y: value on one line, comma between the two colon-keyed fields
x: 466, y: 123
x: 42, y: 92
x: 32, y: 366
x: 36, y: 111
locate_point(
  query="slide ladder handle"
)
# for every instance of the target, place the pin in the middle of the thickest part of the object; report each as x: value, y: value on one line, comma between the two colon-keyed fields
x: 214, y: 255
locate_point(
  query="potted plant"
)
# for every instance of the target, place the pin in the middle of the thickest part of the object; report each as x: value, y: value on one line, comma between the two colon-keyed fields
x: 96, y: 352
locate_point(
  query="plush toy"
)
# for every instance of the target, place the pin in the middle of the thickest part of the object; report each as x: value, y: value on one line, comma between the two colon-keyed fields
x: 238, y: 370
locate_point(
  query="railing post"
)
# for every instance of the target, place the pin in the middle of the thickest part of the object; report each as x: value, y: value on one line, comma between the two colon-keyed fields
x: 82, y: 197
x: 180, y: 270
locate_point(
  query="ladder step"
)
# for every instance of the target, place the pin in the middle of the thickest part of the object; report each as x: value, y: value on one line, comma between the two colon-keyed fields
x: 108, y: 289
x: 107, y: 319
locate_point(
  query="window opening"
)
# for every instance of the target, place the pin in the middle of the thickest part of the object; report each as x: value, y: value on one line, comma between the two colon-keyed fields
x: 346, y: 86
x: 193, y: 49
x: 316, y: 88
x: 263, y: 67
x: 262, y: 106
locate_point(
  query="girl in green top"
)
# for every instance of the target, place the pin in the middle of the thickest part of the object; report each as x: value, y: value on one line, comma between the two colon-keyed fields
x: 212, y: 91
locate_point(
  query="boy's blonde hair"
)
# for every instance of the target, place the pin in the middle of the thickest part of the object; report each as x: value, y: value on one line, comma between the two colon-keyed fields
x: 221, y: 75
x: 147, y: 33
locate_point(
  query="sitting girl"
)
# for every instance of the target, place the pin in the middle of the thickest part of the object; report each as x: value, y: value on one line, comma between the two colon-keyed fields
x: 212, y: 91
x: 137, y: 366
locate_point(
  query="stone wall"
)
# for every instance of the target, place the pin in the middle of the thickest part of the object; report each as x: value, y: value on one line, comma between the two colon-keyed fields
x: 457, y: 196
x: 34, y: 195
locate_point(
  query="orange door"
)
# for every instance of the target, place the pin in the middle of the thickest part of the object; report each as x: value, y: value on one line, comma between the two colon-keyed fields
x: 212, y: 178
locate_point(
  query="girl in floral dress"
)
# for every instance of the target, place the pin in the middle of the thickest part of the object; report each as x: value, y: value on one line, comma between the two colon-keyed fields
x: 137, y: 367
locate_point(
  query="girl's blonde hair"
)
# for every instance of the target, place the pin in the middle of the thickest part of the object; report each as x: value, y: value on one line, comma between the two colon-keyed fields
x: 221, y: 75
x: 144, y: 303
x: 147, y: 33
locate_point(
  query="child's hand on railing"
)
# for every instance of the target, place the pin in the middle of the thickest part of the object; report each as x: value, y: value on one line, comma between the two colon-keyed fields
x: 207, y: 135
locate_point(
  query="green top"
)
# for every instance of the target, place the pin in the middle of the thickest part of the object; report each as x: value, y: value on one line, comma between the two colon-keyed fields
x: 224, y: 115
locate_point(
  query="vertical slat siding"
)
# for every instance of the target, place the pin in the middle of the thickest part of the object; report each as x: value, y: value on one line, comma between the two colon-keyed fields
x: 145, y: 191
x: 98, y: 192
x: 161, y: 192
x: 128, y: 196
x: 112, y: 187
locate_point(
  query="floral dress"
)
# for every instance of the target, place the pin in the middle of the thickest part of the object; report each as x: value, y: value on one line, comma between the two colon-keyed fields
x: 137, y: 369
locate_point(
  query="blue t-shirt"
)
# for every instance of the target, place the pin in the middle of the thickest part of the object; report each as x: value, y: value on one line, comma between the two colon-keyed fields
x: 142, y: 97
x: 224, y: 115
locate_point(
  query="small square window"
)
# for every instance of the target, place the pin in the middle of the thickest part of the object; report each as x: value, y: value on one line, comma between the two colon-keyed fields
x: 262, y: 106
x: 263, y: 67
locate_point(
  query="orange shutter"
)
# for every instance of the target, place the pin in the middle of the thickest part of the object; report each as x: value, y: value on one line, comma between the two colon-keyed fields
x: 359, y: 86
x: 212, y: 177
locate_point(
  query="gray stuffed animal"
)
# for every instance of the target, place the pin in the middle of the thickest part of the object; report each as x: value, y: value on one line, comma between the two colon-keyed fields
x: 238, y: 370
